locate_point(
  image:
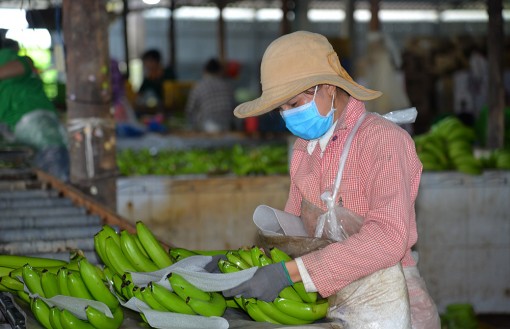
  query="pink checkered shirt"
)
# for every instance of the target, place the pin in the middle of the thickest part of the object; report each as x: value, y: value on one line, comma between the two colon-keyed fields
x: 380, y: 182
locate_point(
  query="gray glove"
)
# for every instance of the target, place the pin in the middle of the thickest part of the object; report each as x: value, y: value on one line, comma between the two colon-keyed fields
x: 266, y: 283
x: 212, y: 266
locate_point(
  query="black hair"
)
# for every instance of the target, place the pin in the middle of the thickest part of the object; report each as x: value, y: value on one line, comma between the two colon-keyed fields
x: 213, y: 66
x: 152, y: 54
x: 9, y: 44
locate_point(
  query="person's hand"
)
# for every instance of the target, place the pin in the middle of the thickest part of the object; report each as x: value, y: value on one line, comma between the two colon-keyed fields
x: 266, y: 283
x: 212, y: 266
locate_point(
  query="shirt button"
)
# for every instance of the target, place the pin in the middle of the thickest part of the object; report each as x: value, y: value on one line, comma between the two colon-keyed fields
x: 334, y: 138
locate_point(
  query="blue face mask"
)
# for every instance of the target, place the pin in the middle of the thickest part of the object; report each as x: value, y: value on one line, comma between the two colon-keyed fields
x: 306, y: 122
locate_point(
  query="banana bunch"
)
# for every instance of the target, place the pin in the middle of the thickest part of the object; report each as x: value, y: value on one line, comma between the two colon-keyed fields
x: 47, y: 278
x: 294, y: 305
x: 125, y: 252
x: 448, y: 146
x: 184, y: 297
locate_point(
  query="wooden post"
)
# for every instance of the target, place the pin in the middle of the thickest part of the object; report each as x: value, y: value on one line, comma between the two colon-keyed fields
x: 221, y: 32
x: 374, y: 24
x: 125, y: 12
x: 90, y: 124
x: 496, y: 122
x: 285, y: 24
x: 171, y: 36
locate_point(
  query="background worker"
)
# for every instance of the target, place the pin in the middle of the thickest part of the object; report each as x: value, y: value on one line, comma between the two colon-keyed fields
x: 303, y: 79
x: 211, y: 101
x: 28, y: 115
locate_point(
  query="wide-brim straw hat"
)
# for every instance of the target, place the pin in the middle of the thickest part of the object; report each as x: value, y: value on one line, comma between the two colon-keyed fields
x: 294, y: 63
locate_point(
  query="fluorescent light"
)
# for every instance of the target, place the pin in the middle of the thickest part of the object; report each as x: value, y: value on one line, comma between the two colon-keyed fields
x: 464, y: 15
x: 151, y: 2
x: 31, y: 38
x: 198, y: 13
x: 408, y: 15
x: 13, y: 19
x: 157, y: 13
x: 269, y: 14
x: 238, y: 14
x: 326, y: 15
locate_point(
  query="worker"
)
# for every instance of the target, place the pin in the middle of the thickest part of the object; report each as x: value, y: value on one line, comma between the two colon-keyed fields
x: 151, y: 93
x: 211, y: 101
x: 303, y: 80
x: 28, y: 115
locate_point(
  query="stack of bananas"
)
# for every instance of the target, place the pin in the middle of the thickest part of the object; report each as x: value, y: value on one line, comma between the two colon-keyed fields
x: 448, y: 146
x: 126, y: 252
x: 293, y: 306
x: 47, y: 278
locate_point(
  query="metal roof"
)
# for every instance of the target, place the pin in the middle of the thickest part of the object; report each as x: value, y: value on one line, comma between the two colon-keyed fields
x: 139, y: 4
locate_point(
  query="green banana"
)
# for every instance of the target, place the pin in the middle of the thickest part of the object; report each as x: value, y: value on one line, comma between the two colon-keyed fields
x: 108, y: 275
x: 134, y: 254
x: 264, y: 260
x: 278, y: 255
x: 77, y: 287
x: 170, y: 300
x: 308, y: 297
x: 55, y: 318
x: 5, y: 271
x: 234, y: 258
x: 304, y: 311
x: 127, y: 289
x: 41, y: 312
x: 17, y: 261
x: 140, y: 246
x: 117, y: 283
x: 281, y: 317
x: 255, y: 255
x: 100, y: 321
x: 290, y: 293
x: 214, y: 307
x: 6, y: 289
x: 23, y: 296
x: 181, y: 253
x: 95, y: 284
x: 256, y: 313
x: 245, y: 254
x: 49, y: 284
x: 11, y: 283
x: 231, y: 303
x: 100, y: 242
x: 62, y: 281
x: 119, y: 263
x: 185, y: 289
x: 110, y: 231
x: 151, y: 300
x: 227, y: 267
x: 137, y: 294
x: 70, y: 321
x: 32, y: 280
x: 152, y: 246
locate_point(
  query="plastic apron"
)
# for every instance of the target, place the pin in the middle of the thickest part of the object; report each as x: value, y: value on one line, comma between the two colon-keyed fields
x: 384, y: 299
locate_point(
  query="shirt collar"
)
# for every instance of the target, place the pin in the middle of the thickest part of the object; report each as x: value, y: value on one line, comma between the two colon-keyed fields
x: 322, y: 141
x: 354, y: 109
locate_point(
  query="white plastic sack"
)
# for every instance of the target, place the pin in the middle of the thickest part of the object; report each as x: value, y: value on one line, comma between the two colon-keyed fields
x: 377, y: 301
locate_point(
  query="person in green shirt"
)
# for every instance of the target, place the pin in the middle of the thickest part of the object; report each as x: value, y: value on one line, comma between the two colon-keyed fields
x: 27, y: 115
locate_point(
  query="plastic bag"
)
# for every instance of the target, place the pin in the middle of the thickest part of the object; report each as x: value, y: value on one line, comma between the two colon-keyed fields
x: 40, y: 129
x: 338, y: 222
x: 424, y: 313
x: 377, y: 301
x: 401, y: 117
